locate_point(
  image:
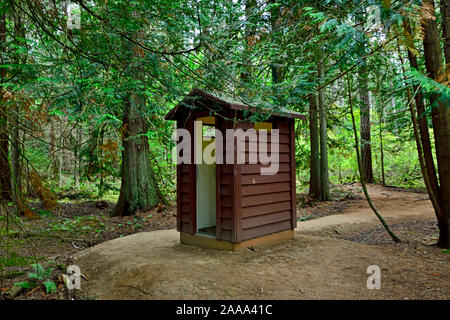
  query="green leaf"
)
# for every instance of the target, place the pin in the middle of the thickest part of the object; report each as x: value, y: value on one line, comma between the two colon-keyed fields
x: 40, y: 273
x: 50, y: 286
x: 329, y: 25
x: 56, y: 113
x: 304, y: 218
x: 33, y: 275
x: 23, y: 284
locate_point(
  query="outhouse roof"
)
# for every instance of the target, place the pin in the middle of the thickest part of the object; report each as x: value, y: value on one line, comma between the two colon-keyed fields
x: 218, y: 103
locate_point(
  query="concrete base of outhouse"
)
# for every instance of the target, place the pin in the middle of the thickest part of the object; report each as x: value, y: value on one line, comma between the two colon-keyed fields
x: 204, y: 241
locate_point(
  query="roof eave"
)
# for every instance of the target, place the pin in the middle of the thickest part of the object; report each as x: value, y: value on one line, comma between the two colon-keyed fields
x: 175, y: 112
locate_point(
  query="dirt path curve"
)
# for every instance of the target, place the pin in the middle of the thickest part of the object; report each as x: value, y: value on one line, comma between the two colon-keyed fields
x: 154, y: 265
x: 393, y: 204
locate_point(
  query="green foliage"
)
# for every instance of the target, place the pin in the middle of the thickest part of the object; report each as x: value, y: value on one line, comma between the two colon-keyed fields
x: 137, y: 223
x: 40, y: 273
x: 38, y: 277
x: 83, y: 224
x: 13, y: 259
x: 431, y: 87
x: 304, y: 218
x: 92, y: 297
x: 44, y: 212
x: 24, y: 284
x: 50, y: 286
x: 77, y: 82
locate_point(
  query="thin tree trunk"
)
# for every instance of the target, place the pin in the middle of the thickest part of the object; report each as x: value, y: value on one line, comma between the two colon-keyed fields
x: 366, y: 150
x: 314, y: 176
x: 15, y: 163
x: 16, y: 178
x: 361, y: 175
x: 77, y: 156
x: 420, y: 150
x: 324, y: 179
x: 379, y: 101
x: 440, y: 115
x: 101, y: 187
x: 423, y: 125
x: 51, y: 149
x: 5, y: 174
x: 61, y: 154
x: 383, y: 176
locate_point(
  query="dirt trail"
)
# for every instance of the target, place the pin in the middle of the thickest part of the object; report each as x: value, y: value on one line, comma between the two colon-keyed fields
x: 154, y: 265
x: 394, y: 204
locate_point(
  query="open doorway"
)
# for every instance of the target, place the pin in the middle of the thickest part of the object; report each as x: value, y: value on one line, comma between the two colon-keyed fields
x: 206, y: 178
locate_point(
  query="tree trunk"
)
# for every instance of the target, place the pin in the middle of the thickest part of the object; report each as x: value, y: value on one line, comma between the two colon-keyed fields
x: 423, y: 124
x: 383, y: 176
x: 61, y: 154
x: 77, y: 156
x: 417, y: 137
x: 445, y: 13
x: 101, y: 186
x: 440, y: 116
x: 52, y: 150
x: 138, y: 190
x: 324, y: 179
x: 314, y: 177
x: 425, y: 158
x: 366, y: 150
x: 5, y: 174
x: 15, y: 163
x: 14, y: 136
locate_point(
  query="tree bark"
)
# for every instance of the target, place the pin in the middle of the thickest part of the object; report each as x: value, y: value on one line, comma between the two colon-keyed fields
x: 324, y: 179
x: 423, y: 122
x: 138, y: 190
x: 421, y: 134
x: 314, y: 176
x: 16, y: 184
x: 101, y: 186
x: 383, y: 176
x: 423, y: 166
x: 61, y: 155
x: 440, y: 115
x: 5, y: 174
x: 52, y: 150
x: 445, y: 13
x: 77, y: 156
x: 366, y: 150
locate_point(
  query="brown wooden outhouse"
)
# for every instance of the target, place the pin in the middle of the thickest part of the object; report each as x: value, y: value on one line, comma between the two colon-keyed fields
x: 229, y: 204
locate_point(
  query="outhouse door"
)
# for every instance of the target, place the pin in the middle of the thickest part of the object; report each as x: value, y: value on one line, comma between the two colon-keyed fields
x: 206, y: 177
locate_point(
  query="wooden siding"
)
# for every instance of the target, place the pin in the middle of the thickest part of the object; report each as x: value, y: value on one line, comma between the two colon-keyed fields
x: 186, y: 190
x: 248, y: 204
x: 225, y: 204
x: 267, y: 202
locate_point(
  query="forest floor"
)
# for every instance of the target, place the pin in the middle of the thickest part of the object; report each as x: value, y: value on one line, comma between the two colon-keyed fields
x: 334, y: 244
